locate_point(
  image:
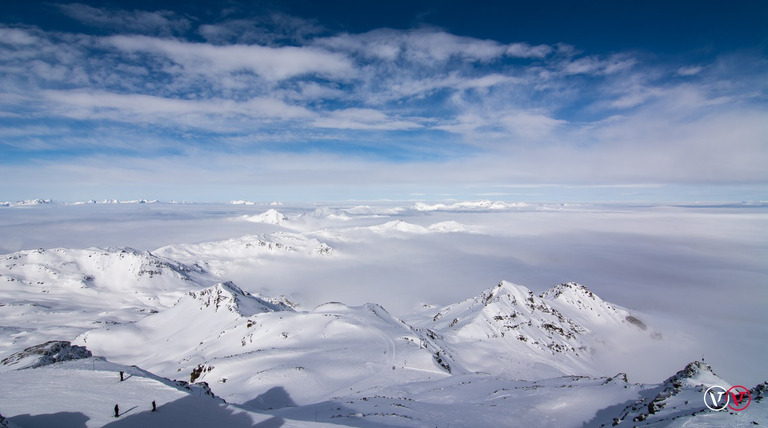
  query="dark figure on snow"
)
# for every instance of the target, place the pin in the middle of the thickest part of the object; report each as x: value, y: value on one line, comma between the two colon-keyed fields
x: 121, y: 376
x: 117, y: 411
x: 154, y: 406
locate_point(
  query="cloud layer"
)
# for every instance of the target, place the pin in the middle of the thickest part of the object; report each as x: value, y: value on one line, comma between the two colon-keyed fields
x: 157, y: 86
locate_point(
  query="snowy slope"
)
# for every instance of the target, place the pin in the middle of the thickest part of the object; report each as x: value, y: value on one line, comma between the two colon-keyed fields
x: 331, y: 348
x: 116, y: 270
x: 314, y: 355
x: 59, y: 293
x: 45, y: 396
x: 166, y: 342
x: 83, y: 393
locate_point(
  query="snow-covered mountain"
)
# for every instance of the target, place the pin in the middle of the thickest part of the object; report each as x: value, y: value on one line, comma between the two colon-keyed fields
x: 271, y: 216
x: 679, y: 402
x: 57, y: 294
x: 504, y: 357
x: 468, y: 206
x: 507, y: 329
x: 234, y: 340
x: 28, y: 202
x: 219, y: 257
x: 111, y: 269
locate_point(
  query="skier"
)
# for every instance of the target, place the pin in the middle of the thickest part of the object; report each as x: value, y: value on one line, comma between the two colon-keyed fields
x: 121, y: 376
x: 154, y: 406
x: 117, y: 411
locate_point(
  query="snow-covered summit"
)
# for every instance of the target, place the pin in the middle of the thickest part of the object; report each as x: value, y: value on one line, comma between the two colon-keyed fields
x: 451, y: 226
x: 228, y: 296
x: 221, y: 257
x: 579, y: 302
x: 271, y: 216
x: 468, y: 206
x: 501, y: 309
x: 403, y: 227
x: 570, y: 290
x: 398, y: 226
x: 27, y: 202
x: 695, y: 373
x: 679, y: 396
x: 513, y: 314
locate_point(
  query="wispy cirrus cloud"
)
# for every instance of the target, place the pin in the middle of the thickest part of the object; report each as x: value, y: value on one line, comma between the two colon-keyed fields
x: 161, y: 22
x: 269, y: 30
x: 209, y: 114
x: 363, y: 119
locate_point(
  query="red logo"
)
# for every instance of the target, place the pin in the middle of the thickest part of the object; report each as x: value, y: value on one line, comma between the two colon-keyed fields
x: 740, y: 398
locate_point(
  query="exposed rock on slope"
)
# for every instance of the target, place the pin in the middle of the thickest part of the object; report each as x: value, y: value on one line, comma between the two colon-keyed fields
x: 228, y: 296
x: 45, y: 354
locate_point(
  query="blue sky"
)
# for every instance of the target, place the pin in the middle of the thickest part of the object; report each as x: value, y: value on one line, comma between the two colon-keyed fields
x: 304, y: 100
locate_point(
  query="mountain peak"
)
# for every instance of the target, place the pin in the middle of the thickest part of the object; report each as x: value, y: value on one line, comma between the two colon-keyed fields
x: 271, y: 216
x: 677, y: 397
x: 507, y: 309
x: 579, y: 302
x: 507, y: 291
x: 696, y: 372
x: 228, y: 296
x: 569, y: 289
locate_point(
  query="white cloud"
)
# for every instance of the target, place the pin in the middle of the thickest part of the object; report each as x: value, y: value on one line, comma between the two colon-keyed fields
x: 212, y: 114
x: 160, y: 22
x: 270, y: 63
x: 635, y: 96
x: 524, y: 50
x: 530, y: 125
x: 510, y: 127
x: 263, y: 30
x: 536, y: 121
x: 594, y: 65
x: 690, y: 70
x: 17, y: 36
x: 424, y: 46
x: 442, y: 46
x: 363, y: 119
x: 482, y: 82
